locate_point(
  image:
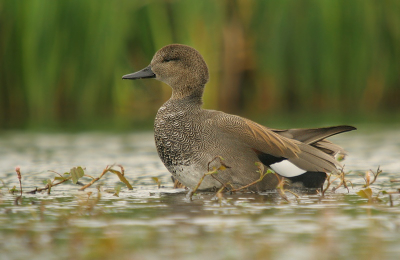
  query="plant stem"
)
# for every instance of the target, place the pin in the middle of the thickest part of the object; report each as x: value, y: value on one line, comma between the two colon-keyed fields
x: 47, y: 186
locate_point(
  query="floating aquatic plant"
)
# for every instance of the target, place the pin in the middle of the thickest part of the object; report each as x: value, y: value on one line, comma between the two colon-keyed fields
x: 78, y: 172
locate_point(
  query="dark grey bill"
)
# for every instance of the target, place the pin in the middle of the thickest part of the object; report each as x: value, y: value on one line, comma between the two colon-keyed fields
x: 141, y: 74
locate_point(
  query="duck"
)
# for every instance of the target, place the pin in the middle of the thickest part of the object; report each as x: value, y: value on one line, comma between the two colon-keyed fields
x: 191, y: 140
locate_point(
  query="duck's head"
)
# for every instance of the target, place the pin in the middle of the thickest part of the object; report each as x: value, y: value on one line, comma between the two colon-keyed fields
x: 179, y: 66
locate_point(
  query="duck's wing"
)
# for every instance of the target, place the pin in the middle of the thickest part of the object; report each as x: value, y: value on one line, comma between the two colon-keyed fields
x: 329, y: 148
x: 316, y: 137
x: 313, y: 135
x: 288, y: 157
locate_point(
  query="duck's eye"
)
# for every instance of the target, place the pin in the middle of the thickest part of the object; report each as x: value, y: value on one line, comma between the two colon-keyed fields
x: 170, y: 59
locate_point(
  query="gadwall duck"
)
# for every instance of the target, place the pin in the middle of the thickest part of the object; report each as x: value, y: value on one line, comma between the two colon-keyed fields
x: 190, y: 138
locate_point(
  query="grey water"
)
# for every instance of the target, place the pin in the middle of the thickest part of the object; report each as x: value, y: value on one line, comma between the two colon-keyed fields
x: 152, y: 223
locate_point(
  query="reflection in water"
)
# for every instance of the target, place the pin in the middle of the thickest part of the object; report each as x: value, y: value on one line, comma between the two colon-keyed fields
x: 151, y: 223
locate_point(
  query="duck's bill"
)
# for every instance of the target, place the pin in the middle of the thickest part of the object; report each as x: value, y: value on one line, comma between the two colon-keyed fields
x: 141, y: 74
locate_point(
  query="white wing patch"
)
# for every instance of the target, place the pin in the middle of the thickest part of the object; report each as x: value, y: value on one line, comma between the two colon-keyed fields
x: 286, y: 169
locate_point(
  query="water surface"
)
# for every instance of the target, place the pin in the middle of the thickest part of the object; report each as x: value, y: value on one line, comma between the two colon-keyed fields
x: 152, y: 223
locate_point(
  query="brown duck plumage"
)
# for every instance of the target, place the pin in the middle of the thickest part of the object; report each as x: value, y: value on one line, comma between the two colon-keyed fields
x: 188, y: 137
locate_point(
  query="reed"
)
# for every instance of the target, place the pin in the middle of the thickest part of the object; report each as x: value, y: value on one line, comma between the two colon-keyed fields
x: 61, y: 62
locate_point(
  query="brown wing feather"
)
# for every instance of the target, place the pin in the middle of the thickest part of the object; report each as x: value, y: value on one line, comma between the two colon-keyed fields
x: 279, y: 144
x: 312, y: 159
x: 261, y: 133
x: 256, y: 136
x: 313, y: 135
x: 316, y: 137
x: 329, y: 147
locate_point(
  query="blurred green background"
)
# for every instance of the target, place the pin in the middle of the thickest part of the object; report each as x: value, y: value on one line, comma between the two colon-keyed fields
x: 278, y: 62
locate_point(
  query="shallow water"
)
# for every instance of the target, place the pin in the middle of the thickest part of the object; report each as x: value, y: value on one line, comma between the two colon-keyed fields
x: 152, y: 223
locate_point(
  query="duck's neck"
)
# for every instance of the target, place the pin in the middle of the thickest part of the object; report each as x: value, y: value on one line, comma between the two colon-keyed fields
x: 193, y: 95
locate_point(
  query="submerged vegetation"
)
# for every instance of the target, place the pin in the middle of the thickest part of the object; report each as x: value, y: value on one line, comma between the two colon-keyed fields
x: 77, y: 173
x: 154, y: 221
x: 95, y: 225
x: 61, y: 62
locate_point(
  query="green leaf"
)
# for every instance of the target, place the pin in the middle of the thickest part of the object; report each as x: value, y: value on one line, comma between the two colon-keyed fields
x: 157, y: 181
x: 340, y: 157
x: 14, y: 189
x: 122, y: 178
x: 76, y: 174
x: 80, y: 171
x: 57, y: 178
x: 366, y: 193
x: 222, y: 168
x: 117, y: 190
